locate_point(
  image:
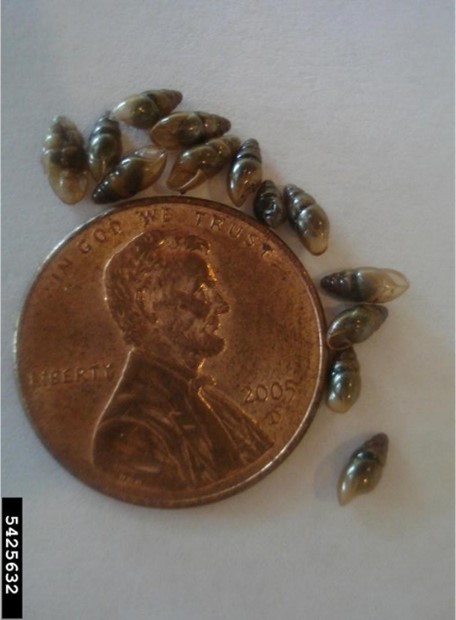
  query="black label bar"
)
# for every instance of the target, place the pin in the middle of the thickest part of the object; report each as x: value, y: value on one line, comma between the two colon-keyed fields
x: 12, y: 557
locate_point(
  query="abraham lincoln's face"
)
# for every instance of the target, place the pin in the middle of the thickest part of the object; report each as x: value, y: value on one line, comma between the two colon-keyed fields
x: 164, y: 295
x: 186, y: 308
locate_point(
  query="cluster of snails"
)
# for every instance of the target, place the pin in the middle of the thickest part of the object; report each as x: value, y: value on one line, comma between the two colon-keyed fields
x: 205, y: 151
x: 368, y: 286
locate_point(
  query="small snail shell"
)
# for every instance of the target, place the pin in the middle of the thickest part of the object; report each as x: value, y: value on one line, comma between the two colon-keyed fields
x: 344, y: 382
x: 188, y: 128
x: 104, y: 148
x: 64, y: 160
x: 307, y: 218
x: 245, y: 174
x: 364, y: 469
x: 268, y: 205
x: 197, y: 164
x: 134, y: 173
x: 145, y: 109
x: 355, y: 325
x: 366, y: 284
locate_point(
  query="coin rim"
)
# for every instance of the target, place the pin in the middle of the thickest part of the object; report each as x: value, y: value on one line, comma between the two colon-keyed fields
x: 316, y: 396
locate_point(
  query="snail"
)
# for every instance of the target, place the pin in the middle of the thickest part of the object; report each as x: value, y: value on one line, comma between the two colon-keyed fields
x: 144, y: 110
x: 268, y: 205
x: 307, y: 218
x: 366, y: 284
x: 134, y: 173
x: 188, y: 128
x: 344, y: 381
x: 64, y: 160
x: 104, y: 148
x: 355, y: 325
x: 245, y: 173
x: 364, y: 469
x: 197, y: 164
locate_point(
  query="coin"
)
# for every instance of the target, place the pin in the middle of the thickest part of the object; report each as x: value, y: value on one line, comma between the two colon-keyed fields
x: 171, y: 352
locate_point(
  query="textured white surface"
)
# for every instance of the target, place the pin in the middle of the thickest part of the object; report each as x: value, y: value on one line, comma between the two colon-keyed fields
x: 353, y: 101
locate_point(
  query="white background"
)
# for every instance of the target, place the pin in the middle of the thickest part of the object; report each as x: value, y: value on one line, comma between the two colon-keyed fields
x: 352, y: 100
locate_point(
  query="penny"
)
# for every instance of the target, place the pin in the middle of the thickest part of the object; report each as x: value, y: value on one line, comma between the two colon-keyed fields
x: 171, y: 352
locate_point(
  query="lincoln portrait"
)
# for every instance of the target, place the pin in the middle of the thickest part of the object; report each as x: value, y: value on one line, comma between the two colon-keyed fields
x: 166, y: 423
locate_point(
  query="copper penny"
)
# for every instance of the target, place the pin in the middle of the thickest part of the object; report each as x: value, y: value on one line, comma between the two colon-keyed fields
x: 171, y: 352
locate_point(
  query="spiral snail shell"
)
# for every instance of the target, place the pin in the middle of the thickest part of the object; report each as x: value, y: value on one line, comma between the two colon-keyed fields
x: 307, y: 218
x: 268, y: 205
x: 134, y: 173
x: 188, y: 128
x: 64, y: 160
x: 104, y: 148
x: 200, y: 163
x: 144, y: 110
x: 344, y: 381
x: 366, y: 284
x: 364, y: 469
x: 355, y: 325
x: 245, y: 174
